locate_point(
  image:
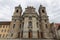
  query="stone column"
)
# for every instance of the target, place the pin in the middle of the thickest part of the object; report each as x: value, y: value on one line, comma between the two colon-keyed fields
x: 15, y: 23
x: 25, y: 29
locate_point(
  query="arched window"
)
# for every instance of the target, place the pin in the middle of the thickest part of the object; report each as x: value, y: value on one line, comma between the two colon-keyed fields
x: 17, y: 10
x: 43, y: 11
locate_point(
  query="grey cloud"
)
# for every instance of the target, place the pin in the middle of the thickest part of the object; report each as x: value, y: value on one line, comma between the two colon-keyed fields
x: 52, y: 8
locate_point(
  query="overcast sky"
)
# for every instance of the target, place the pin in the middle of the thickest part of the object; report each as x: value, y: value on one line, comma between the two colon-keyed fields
x: 52, y: 8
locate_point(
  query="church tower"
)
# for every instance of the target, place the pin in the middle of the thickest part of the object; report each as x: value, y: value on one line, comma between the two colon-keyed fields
x: 30, y: 27
x: 16, y: 23
x: 30, y: 24
x: 44, y: 22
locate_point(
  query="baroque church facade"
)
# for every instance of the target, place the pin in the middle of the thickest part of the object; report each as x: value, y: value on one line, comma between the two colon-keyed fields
x: 30, y: 24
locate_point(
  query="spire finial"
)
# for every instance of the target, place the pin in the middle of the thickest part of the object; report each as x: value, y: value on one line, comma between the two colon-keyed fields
x: 19, y: 5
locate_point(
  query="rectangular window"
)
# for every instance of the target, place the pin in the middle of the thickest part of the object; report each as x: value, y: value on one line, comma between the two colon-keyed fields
x: 20, y: 26
x: 11, y: 34
x: 46, y: 26
x: 6, y: 35
x: 23, y: 24
x: 2, y: 30
x: 36, y: 18
x: 5, y: 30
x: 40, y: 26
x: 3, y: 26
x: 30, y: 24
x: 14, y: 26
x: 38, y: 34
x: 15, y: 20
x: 6, y: 26
x: 3, y: 35
x: 0, y: 35
x: 30, y: 18
x: 23, y: 18
x: 0, y: 26
x: 45, y: 20
x: 22, y: 34
x: 8, y: 31
x: 37, y: 24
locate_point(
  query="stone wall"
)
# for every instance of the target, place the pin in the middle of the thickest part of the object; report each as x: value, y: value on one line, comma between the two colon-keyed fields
x: 28, y: 39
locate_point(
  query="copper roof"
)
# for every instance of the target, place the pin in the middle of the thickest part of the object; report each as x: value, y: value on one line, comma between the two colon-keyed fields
x: 57, y: 23
x: 5, y: 22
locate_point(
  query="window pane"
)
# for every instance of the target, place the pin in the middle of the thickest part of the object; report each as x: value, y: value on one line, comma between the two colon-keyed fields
x: 43, y: 11
x: 17, y: 10
x: 0, y: 35
x: 11, y: 34
x: 0, y: 26
x: 14, y: 26
x: 3, y: 26
x: 37, y: 24
x: 46, y: 26
x: 30, y: 18
x: 3, y: 35
x: 30, y: 24
x: 20, y: 26
x: 2, y: 30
